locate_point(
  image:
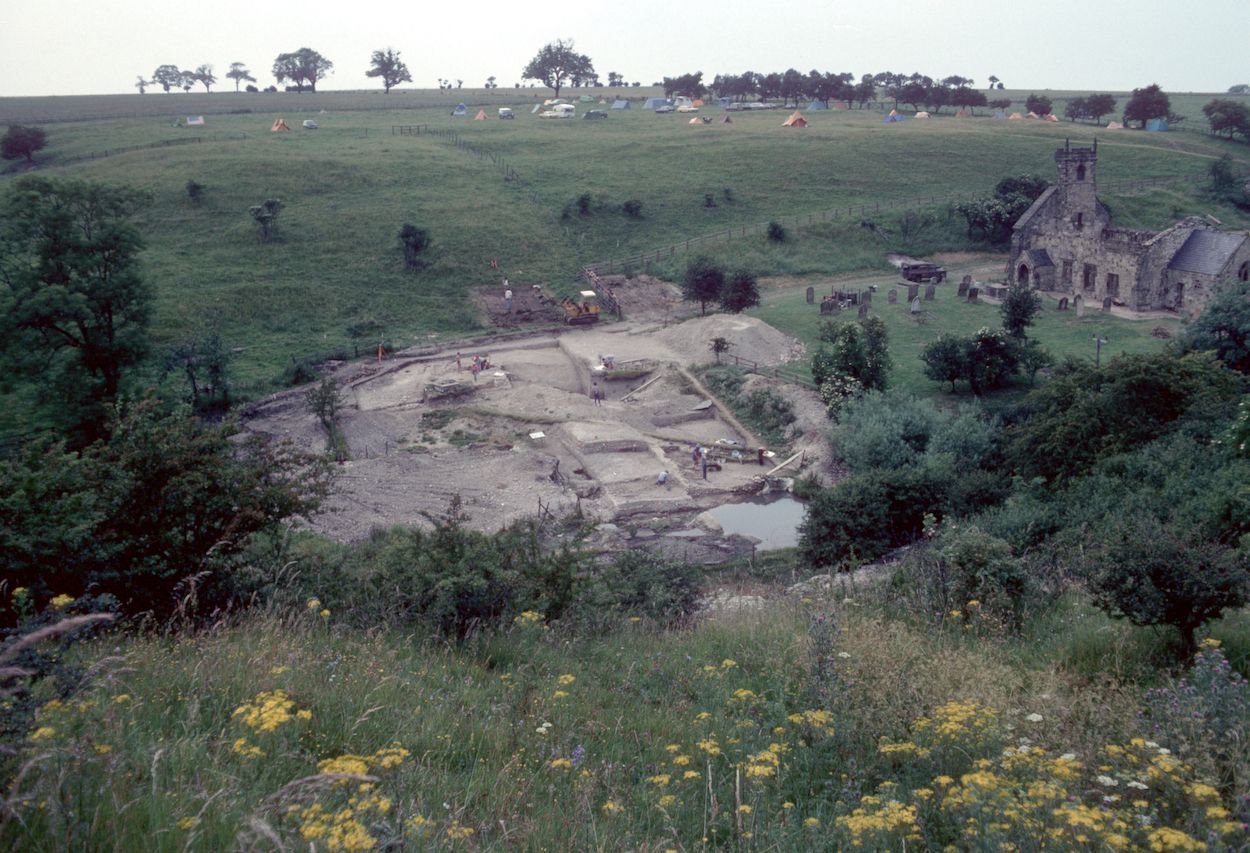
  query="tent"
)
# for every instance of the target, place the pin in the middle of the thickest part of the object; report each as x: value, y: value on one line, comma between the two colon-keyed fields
x: 963, y: 113
x: 1158, y: 125
x: 724, y: 102
x: 726, y: 120
x: 537, y: 107
x: 460, y: 110
x: 195, y: 121
x: 652, y: 103
x: 1000, y: 113
x: 795, y: 120
x: 817, y: 105
x: 279, y: 124
x: 1032, y: 115
x: 697, y: 102
x: 1114, y: 125
x: 1015, y: 117
x: 695, y: 120
x: 586, y: 99
x: 620, y: 104
x: 1050, y: 117
x: 892, y: 116
x: 922, y: 114
x: 481, y: 115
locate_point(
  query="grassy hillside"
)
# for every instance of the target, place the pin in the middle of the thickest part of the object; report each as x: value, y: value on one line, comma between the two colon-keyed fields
x: 333, y: 281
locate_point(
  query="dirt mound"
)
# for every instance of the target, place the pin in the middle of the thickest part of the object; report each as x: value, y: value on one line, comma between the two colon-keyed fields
x: 646, y: 299
x: 750, y: 339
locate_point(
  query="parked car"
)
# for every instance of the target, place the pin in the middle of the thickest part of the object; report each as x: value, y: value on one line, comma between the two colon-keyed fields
x: 687, y: 108
x: 595, y: 114
x: 309, y: 124
x: 506, y: 112
x: 664, y: 108
x: 922, y: 271
x: 734, y: 107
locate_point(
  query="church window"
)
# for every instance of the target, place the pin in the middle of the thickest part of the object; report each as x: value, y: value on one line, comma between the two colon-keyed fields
x: 1113, y: 284
x: 1079, y: 220
x: 1089, y: 276
x: 1080, y: 172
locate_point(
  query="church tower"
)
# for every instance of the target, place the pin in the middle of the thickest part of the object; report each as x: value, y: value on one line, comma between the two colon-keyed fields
x: 1077, y: 189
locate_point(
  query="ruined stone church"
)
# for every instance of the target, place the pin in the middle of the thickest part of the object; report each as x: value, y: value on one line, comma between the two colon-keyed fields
x: 1065, y: 242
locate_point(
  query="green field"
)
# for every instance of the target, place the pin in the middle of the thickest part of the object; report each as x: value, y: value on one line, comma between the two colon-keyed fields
x: 333, y: 283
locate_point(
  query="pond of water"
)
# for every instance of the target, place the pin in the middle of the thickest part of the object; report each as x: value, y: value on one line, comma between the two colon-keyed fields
x: 774, y: 522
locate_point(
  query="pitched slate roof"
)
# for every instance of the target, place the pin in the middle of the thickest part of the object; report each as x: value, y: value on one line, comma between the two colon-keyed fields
x: 1040, y: 258
x: 1206, y: 251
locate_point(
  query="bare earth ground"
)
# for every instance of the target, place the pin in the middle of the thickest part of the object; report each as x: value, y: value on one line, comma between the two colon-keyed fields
x: 527, y: 437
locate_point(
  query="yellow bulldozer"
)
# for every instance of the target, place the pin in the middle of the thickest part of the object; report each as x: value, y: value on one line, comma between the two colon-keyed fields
x: 581, y: 311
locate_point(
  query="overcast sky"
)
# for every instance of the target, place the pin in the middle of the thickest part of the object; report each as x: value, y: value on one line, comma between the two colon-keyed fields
x: 69, y: 47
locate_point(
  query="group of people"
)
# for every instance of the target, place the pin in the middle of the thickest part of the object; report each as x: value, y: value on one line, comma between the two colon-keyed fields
x: 479, y: 363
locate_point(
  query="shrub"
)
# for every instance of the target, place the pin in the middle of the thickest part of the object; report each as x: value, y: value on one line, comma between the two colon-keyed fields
x: 883, y: 430
x: 265, y: 215
x: 776, y: 232
x: 21, y: 141
x: 299, y: 372
x: 414, y: 241
x: 632, y: 208
x: 195, y: 191
x: 982, y: 575
x: 583, y: 204
x: 709, y: 200
x: 635, y: 584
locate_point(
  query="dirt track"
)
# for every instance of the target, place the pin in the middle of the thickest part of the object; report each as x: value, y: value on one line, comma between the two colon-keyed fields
x: 526, y: 435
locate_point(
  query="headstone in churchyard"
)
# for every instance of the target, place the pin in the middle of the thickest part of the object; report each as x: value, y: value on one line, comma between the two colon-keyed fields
x: 1063, y: 304
x: 966, y: 280
x: 930, y: 291
x: 973, y: 293
x: 892, y: 296
x: 915, y: 305
x: 828, y: 306
x: 865, y: 298
x: 811, y: 295
x: 1106, y: 305
x: 863, y: 310
x: 1078, y: 304
x: 964, y: 285
x: 913, y: 290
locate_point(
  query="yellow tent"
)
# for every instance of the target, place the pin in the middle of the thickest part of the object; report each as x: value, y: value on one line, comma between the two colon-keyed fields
x: 481, y: 115
x: 795, y: 120
x: 279, y: 124
x: 1050, y: 117
x: 695, y: 120
x: 1032, y: 115
x: 1015, y: 117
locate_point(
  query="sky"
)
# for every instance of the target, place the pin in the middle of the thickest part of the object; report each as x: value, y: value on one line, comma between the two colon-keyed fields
x: 79, y: 47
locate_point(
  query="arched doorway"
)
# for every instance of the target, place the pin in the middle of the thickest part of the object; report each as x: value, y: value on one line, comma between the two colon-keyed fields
x: 1022, y: 274
x: 1244, y: 272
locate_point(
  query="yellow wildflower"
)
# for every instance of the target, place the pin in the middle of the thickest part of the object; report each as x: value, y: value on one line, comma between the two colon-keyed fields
x: 612, y: 807
x: 567, y: 679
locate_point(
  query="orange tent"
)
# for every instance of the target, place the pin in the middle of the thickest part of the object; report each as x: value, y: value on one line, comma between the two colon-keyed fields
x: 697, y: 102
x: 695, y: 120
x: 279, y: 124
x: 1050, y: 117
x: 481, y: 115
x: 795, y: 120
x: 1015, y: 117
x: 1032, y: 115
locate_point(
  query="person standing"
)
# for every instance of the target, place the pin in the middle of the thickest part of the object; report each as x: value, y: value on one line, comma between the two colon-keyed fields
x: 596, y: 395
x: 507, y: 296
x: 703, y: 460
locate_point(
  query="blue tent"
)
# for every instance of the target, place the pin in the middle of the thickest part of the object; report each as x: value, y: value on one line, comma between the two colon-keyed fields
x: 620, y: 104
x: 724, y: 102
x: 1000, y: 113
x: 887, y: 118
x: 1158, y: 125
x: 460, y: 110
x: 817, y: 105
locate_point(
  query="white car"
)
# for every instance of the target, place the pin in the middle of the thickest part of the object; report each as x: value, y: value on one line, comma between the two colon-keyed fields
x: 687, y: 108
x: 664, y: 108
x: 309, y: 124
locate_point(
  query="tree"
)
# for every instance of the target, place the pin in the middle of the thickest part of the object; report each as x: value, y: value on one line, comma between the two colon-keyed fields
x: 1145, y: 104
x: 739, y: 292
x: 1228, y: 117
x: 945, y: 360
x: 22, y: 141
x: 1076, y: 108
x: 74, y: 307
x: 702, y: 282
x: 167, y: 77
x: 387, y: 65
x: 414, y: 241
x: 859, y: 351
x: 238, y: 73
x: 686, y: 85
x: 1000, y: 104
x: 304, y: 67
x: 265, y: 215
x: 142, y: 85
x: 1154, y: 574
x: 557, y: 62
x: 993, y: 81
x: 1038, y: 104
x: 1239, y: 89
x: 1223, y: 327
x: 965, y: 97
x: 204, y: 76
x: 490, y: 82
x: 188, y: 81
x: 203, y: 362
x: 615, y: 79
x: 1019, y: 307
x: 718, y: 346
x: 875, y: 375
x: 1097, y: 106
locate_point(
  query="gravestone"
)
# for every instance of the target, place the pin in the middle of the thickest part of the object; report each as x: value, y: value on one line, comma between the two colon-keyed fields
x: 964, y: 285
x: 811, y: 295
x: 973, y: 293
x: 866, y: 297
x: 913, y: 290
x: 1063, y: 304
x: 930, y: 291
x: 915, y: 305
x: 828, y: 306
x: 966, y: 280
x: 892, y: 296
x: 1078, y: 303
x: 863, y: 310
x: 1106, y: 305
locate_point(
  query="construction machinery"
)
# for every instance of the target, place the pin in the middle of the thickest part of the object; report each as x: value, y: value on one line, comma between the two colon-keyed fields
x: 581, y: 311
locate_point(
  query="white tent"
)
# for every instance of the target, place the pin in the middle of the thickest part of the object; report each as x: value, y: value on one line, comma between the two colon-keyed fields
x: 620, y: 104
